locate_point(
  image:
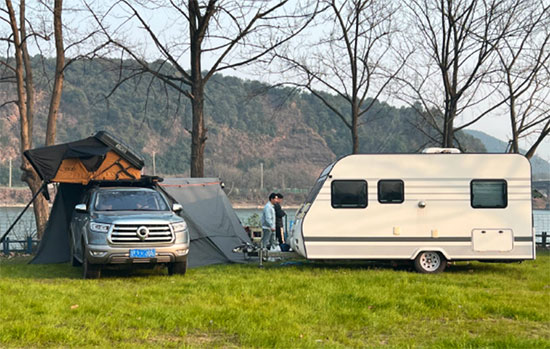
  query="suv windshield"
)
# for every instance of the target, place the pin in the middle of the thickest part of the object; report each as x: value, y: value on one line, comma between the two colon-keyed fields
x: 129, y: 200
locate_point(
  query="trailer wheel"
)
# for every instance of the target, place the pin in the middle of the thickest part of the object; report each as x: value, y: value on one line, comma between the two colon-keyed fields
x: 430, y: 262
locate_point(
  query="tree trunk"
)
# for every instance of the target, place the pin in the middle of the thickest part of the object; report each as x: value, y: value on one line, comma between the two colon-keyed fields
x: 544, y: 133
x: 354, y: 130
x: 515, y: 135
x: 51, y: 130
x: 198, y: 133
x: 25, y: 104
x: 448, y: 125
x: 40, y: 204
x: 449, y: 139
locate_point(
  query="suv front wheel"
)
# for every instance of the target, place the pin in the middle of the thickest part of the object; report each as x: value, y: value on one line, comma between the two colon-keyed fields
x: 177, y: 268
x: 90, y: 271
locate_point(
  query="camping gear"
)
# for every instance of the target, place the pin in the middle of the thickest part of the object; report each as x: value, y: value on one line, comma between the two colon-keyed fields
x: 54, y: 246
x: 100, y: 157
x: 213, y: 224
x: 284, y: 247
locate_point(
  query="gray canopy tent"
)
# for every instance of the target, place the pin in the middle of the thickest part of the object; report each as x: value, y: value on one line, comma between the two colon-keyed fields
x: 214, y: 226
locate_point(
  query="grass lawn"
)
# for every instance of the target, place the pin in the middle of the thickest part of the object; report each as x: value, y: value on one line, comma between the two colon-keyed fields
x: 298, y: 305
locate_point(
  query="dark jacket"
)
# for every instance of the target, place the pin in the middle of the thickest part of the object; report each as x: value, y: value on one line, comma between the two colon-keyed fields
x: 279, y: 214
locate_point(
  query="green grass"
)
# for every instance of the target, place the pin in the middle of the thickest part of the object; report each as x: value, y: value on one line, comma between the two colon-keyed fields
x: 470, y: 305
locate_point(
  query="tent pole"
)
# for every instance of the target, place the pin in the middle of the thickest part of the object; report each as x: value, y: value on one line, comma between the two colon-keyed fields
x: 44, y: 185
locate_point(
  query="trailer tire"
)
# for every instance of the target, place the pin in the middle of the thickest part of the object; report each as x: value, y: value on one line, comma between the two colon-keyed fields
x: 430, y: 262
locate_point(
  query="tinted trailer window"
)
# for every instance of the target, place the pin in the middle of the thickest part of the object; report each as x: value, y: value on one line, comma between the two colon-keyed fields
x: 349, y: 194
x: 488, y: 193
x: 391, y: 191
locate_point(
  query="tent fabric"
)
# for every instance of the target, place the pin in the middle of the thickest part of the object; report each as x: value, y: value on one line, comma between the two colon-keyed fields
x: 46, y: 160
x: 89, y: 154
x: 214, y: 226
x: 112, y: 167
x: 55, y: 246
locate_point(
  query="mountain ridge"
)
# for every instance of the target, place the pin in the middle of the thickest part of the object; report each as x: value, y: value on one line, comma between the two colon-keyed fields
x: 249, y: 123
x: 540, y: 167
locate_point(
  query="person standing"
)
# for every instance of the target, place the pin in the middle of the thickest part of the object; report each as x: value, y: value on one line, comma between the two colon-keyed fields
x: 279, y: 214
x: 268, y: 222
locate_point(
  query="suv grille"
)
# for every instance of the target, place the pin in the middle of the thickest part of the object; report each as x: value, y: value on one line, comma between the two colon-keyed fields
x: 128, y: 233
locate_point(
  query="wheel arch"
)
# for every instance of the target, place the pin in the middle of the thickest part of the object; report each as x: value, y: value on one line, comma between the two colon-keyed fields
x: 426, y: 249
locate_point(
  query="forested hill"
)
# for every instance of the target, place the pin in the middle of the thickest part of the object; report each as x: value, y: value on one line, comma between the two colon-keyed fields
x: 290, y: 132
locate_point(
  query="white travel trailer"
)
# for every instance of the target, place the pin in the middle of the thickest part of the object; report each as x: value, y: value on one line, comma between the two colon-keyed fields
x: 430, y: 208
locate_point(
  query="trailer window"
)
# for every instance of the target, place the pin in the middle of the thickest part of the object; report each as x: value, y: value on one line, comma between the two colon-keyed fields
x: 391, y: 191
x: 489, y: 193
x: 349, y: 194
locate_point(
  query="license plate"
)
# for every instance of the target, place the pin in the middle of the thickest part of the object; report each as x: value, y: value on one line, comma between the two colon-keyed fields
x: 142, y: 253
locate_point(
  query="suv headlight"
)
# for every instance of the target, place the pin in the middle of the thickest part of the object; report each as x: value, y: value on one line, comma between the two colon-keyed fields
x: 179, y: 227
x: 99, y: 227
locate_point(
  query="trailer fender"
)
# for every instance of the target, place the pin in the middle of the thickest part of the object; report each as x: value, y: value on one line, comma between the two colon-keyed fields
x: 435, y: 249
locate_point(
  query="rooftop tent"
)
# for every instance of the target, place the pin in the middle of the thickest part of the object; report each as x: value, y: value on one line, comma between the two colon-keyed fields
x: 99, y: 157
x: 215, y: 228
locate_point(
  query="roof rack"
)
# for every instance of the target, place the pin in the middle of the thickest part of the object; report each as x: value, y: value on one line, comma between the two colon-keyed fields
x: 144, y: 181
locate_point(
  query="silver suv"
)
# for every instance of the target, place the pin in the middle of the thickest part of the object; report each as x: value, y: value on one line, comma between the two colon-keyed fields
x: 127, y: 226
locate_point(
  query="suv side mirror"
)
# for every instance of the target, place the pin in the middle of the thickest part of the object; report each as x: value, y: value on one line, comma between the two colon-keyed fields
x: 81, y: 208
x: 177, y: 207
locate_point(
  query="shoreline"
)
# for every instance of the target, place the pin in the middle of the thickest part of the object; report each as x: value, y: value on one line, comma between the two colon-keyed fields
x: 260, y: 207
x: 15, y: 205
x: 238, y: 206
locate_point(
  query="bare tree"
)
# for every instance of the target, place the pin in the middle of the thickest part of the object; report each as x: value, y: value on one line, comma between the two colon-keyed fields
x: 454, y: 54
x: 352, y: 59
x: 525, y: 75
x: 21, y: 72
x: 51, y: 129
x: 212, y: 36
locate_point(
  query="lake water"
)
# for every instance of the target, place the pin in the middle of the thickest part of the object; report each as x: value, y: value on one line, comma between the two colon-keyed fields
x: 245, y: 213
x: 26, y: 225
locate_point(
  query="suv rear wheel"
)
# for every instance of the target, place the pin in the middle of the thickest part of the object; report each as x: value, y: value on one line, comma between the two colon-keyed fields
x: 177, y: 268
x: 75, y: 262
